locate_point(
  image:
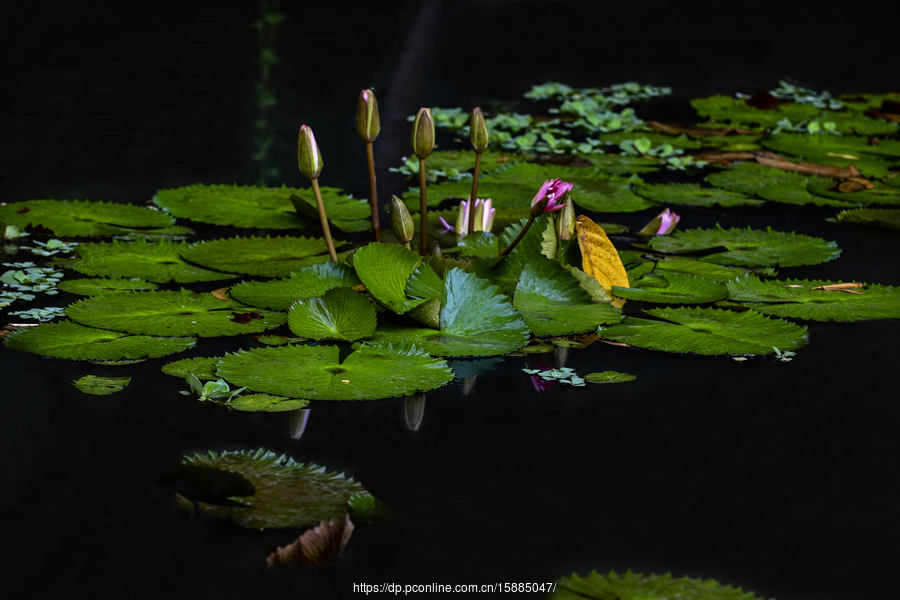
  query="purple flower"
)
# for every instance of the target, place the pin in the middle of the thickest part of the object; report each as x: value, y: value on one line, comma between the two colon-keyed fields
x: 668, y: 222
x: 555, y: 191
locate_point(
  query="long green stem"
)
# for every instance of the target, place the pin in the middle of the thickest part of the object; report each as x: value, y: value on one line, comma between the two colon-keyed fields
x: 373, y: 193
x: 472, y: 197
x: 423, y: 247
x: 325, y: 229
x: 518, y: 237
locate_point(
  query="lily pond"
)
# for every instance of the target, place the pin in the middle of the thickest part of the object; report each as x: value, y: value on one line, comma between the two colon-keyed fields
x: 645, y: 349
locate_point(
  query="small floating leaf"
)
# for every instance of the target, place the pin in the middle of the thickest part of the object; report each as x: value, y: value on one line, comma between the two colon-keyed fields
x: 201, y: 367
x: 609, y: 377
x: 707, y: 331
x: 635, y: 586
x: 101, y: 386
x: 76, y: 342
x: 171, y: 313
x: 266, y: 403
x: 287, y: 494
x: 315, y: 372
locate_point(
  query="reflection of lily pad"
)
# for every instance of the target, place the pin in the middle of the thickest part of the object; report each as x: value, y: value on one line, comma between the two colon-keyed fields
x: 878, y: 217
x: 797, y: 299
x: 707, y: 331
x: 202, y: 368
x: 691, y: 194
x: 82, y: 217
x: 261, y: 256
x: 340, y: 314
x: 75, y: 342
x: 158, y: 262
x: 309, y: 282
x: 517, y: 185
x: 748, y: 247
x: 288, y: 494
x: 552, y: 302
x: 672, y: 288
x: 635, y: 586
x: 475, y: 320
x: 103, y: 285
x: 172, y: 313
x: 316, y: 372
x: 101, y: 386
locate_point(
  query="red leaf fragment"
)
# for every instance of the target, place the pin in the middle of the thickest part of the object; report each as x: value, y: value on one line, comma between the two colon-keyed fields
x: 763, y: 100
x: 244, y: 318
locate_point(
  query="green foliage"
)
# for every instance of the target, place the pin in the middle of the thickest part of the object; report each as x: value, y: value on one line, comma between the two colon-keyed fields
x: 840, y: 151
x: 83, y: 217
x: 101, y: 386
x: 747, y: 247
x: 287, y: 494
x: 28, y: 277
x: 158, y: 262
x: 563, y: 375
x: 384, y: 269
x: 104, y: 285
x: 41, y: 314
x: 880, y: 194
x: 340, y: 314
x: 709, y: 331
x: 308, y: 282
x: 51, y: 247
x: 636, y: 586
x: 75, y: 342
x: 260, y: 256
x: 672, y: 288
x: 202, y: 368
x: 609, y: 377
x: 691, y: 194
x: 212, y: 391
x: 317, y: 373
x: 878, y: 217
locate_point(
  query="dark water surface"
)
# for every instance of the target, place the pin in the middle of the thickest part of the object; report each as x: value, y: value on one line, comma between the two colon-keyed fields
x: 778, y: 477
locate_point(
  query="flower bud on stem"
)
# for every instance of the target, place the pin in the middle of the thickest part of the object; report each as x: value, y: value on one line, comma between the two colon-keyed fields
x: 325, y: 229
x: 368, y: 126
x: 309, y: 160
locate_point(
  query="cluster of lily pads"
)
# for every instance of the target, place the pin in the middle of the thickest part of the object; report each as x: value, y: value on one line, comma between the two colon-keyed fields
x: 336, y: 318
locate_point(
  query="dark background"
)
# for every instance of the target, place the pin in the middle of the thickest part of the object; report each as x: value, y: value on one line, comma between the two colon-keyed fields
x: 780, y: 478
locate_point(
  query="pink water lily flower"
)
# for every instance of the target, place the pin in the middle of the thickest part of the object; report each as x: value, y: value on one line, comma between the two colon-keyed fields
x: 555, y: 191
x: 669, y: 221
x: 484, y: 217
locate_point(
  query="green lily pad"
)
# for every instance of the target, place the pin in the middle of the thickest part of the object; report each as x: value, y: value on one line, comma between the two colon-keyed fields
x: 101, y: 386
x: 76, y: 342
x: 691, y: 194
x: 103, y: 285
x: 464, y: 160
x: 316, y: 373
x: 878, y: 217
x: 340, y: 314
x: 795, y: 298
x: 880, y: 194
x: 749, y: 177
x: 288, y: 494
x: 639, y: 266
x: 517, y: 185
x: 708, y: 331
x: 158, y: 262
x: 173, y: 233
x: 838, y: 150
x: 266, y: 403
x: 672, y: 288
x: 635, y: 586
x: 609, y: 377
x: 260, y: 256
x: 725, y: 109
x: 308, y: 282
x: 739, y: 142
x: 656, y: 138
x: 475, y: 320
x: 202, y: 367
x: 82, y: 217
x: 622, y: 164
x: 796, y: 193
x: 748, y: 247
x: 172, y: 313
x: 343, y: 211
x: 384, y: 269
x: 552, y: 301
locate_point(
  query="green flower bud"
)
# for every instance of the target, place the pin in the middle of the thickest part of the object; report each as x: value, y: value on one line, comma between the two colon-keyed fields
x: 565, y: 224
x: 478, y: 131
x: 368, y: 125
x: 423, y: 133
x: 401, y: 221
x: 309, y: 159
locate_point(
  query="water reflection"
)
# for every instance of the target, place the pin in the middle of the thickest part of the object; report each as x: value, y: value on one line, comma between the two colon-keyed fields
x: 414, y: 411
x: 298, y: 420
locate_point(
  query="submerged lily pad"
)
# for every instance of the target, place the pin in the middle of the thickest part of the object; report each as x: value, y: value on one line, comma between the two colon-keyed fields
x: 317, y: 373
x: 635, y: 586
x: 202, y: 368
x: 172, y: 313
x: 748, y: 247
x: 309, y: 282
x: 798, y: 299
x: 104, y: 285
x: 288, y: 494
x: 76, y: 342
x: 261, y: 256
x: 878, y: 217
x: 82, y: 217
x: 709, y: 331
x: 158, y: 262
x: 672, y: 288
x: 552, y: 301
x: 609, y: 377
x: 691, y: 194
x: 475, y: 320
x: 340, y: 314
x: 253, y: 206
x: 101, y: 386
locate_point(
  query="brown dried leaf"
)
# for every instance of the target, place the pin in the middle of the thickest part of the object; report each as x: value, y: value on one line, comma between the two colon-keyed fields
x: 600, y: 259
x: 723, y: 156
x: 316, y: 547
x: 221, y: 293
x: 770, y: 159
x: 842, y: 287
x: 762, y: 100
